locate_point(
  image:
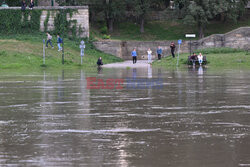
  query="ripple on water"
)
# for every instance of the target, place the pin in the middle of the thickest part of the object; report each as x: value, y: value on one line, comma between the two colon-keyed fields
x: 102, y: 131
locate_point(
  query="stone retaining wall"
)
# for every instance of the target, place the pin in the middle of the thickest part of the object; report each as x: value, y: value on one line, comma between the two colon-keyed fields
x: 239, y: 38
x: 81, y: 16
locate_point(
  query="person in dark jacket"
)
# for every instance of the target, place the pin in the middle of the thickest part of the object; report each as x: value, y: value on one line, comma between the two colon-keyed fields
x: 159, y: 52
x: 23, y: 5
x: 172, y: 47
x: 59, y: 42
x: 99, y: 61
x: 32, y: 4
x: 193, y: 58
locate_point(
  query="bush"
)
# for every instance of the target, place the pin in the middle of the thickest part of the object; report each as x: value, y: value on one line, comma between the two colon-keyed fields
x: 106, y: 36
x: 104, y: 30
x: 17, y: 21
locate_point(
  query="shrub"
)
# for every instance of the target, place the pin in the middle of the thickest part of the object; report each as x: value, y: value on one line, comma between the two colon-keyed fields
x: 17, y: 21
x: 106, y: 36
x: 104, y: 30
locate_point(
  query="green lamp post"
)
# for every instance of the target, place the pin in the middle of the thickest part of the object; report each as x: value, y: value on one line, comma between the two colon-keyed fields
x: 52, y: 2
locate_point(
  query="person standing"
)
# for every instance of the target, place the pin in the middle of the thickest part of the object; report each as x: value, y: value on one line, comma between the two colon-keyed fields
x: 172, y: 47
x: 200, y: 59
x: 23, y: 5
x: 49, y: 38
x: 32, y: 4
x: 59, y: 42
x: 159, y: 52
x: 134, y: 55
x: 149, y: 55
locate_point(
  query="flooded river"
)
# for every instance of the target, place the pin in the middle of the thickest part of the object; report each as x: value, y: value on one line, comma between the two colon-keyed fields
x: 197, y: 118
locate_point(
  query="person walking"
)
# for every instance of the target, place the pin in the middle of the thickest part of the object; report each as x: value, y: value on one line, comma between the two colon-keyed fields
x: 149, y: 55
x: 134, y: 55
x: 159, y: 52
x: 172, y: 47
x: 49, y: 38
x: 200, y: 59
x: 23, y: 5
x: 32, y: 4
x: 59, y: 42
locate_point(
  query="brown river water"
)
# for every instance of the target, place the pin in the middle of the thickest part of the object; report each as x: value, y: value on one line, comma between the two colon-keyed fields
x: 197, y: 118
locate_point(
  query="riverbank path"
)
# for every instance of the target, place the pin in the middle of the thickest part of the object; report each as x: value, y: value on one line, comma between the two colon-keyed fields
x: 128, y: 64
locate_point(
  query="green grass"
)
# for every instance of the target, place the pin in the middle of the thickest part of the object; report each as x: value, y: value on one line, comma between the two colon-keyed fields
x: 166, y: 30
x: 216, y: 60
x: 26, y: 51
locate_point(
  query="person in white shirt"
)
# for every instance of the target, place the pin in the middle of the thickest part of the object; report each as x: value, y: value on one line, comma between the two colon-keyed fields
x: 149, y: 55
x: 200, y: 58
x: 49, y: 38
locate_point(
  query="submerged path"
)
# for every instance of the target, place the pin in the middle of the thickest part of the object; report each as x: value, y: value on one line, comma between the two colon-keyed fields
x: 128, y: 63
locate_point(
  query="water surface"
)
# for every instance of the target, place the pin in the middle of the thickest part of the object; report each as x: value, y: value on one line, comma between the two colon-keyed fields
x: 199, y: 118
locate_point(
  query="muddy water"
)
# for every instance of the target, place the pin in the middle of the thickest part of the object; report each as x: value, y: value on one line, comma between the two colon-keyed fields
x: 198, y: 118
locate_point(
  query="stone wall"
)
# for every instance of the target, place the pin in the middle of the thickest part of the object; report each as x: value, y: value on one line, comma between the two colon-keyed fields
x: 239, y: 38
x: 81, y: 15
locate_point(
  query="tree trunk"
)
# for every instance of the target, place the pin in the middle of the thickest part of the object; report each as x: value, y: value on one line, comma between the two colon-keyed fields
x: 142, y: 25
x: 110, y: 25
x: 92, y: 16
x: 201, y: 31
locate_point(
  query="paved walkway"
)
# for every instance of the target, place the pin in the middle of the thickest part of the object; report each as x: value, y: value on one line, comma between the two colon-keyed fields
x: 128, y: 63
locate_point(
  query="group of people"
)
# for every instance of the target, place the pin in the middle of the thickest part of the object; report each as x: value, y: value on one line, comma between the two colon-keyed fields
x: 60, y: 41
x: 149, y: 52
x: 195, y: 57
x: 49, y: 41
x: 24, y: 4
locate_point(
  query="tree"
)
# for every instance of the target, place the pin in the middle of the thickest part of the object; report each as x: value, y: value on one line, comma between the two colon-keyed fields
x: 236, y: 9
x: 181, y: 7
x: 113, y: 9
x: 201, y: 11
x: 140, y: 8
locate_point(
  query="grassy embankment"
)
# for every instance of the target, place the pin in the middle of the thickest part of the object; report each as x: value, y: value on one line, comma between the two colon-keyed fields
x: 218, y: 58
x: 166, y: 30
x: 26, y: 51
x: 174, y: 30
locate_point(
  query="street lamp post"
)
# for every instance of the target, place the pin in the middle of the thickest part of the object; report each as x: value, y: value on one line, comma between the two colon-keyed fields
x: 190, y: 44
x: 43, y: 51
x: 82, y: 47
x: 179, y: 43
x: 63, y: 39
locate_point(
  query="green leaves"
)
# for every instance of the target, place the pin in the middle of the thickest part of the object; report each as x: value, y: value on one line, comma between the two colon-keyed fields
x: 201, y: 11
x: 17, y: 21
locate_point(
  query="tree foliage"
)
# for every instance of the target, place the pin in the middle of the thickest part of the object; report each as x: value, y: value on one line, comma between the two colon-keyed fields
x: 16, y: 2
x: 139, y: 9
x: 200, y: 12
